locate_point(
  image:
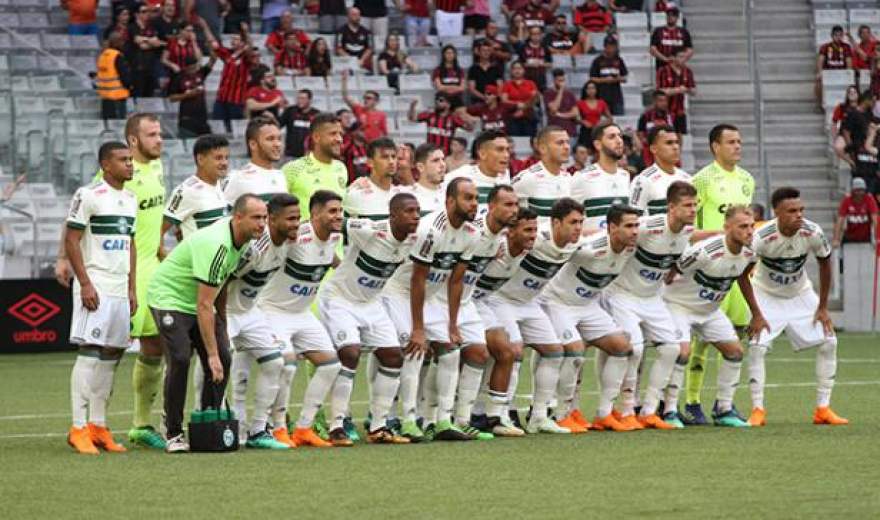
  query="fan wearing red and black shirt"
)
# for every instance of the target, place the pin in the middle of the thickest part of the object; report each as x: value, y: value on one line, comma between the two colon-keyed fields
x: 677, y: 80
x: 501, y: 50
x: 536, y: 58
x: 536, y: 15
x: 297, y: 120
x: 354, y: 155
x: 179, y: 48
x: 449, y: 77
x: 353, y: 39
x: 188, y: 89
x: 655, y: 115
x: 292, y: 60
x: 856, y: 216
x: 442, y: 122
x: 609, y: 71
x: 834, y: 55
x: 276, y: 40
x: 237, y: 63
x: 560, y: 40
x: 373, y: 122
x: 492, y: 113
x: 864, y: 51
x: 592, y: 18
x: 263, y: 95
x: 669, y: 39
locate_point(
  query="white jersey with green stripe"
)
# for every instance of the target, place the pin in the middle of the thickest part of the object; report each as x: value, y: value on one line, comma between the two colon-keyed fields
x: 430, y: 199
x: 657, y: 250
x: 709, y: 270
x: 195, y: 204
x: 648, y: 189
x: 591, y: 269
x: 482, y: 252
x: 536, y: 269
x: 372, y: 257
x: 497, y: 272
x: 540, y: 189
x: 365, y: 199
x: 294, y: 287
x: 484, y: 183
x: 262, y: 182
x: 598, y: 190
x: 106, y: 216
x: 780, y: 269
x: 255, y: 269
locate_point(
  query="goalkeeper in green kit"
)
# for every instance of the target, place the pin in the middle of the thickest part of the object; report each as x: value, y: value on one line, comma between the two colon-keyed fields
x: 719, y: 185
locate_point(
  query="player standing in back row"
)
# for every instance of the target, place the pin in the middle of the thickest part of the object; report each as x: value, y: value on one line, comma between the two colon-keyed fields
x: 545, y: 182
x: 648, y: 189
x: 603, y: 184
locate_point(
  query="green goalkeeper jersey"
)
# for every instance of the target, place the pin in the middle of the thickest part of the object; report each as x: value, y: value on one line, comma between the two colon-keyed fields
x: 307, y: 175
x: 718, y: 189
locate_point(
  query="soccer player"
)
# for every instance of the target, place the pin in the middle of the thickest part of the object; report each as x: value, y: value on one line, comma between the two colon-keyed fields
x: 368, y: 197
x: 571, y: 300
x: 350, y: 309
x: 430, y: 163
x: 635, y: 301
x: 199, y: 200
x: 287, y: 300
x: 648, y: 189
x: 783, y: 300
x: 102, y: 254
x: 442, y: 239
x: 604, y: 184
x: 719, y: 185
x: 185, y: 298
x: 248, y: 327
x: 259, y: 177
x: 546, y: 182
x: 708, y: 271
x: 491, y: 153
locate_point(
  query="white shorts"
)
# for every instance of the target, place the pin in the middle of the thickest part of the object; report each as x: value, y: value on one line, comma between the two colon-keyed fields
x: 107, y: 326
x: 585, y: 322
x: 487, y: 315
x: 250, y: 332
x: 795, y: 316
x: 349, y: 323
x: 712, y: 328
x: 469, y: 325
x: 642, y: 318
x: 300, y: 332
x: 524, y: 322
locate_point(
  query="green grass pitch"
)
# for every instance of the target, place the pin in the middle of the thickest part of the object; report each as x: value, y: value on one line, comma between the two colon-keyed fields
x: 789, y: 469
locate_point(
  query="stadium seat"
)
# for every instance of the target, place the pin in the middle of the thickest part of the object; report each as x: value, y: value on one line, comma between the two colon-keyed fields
x: 56, y: 42
x: 341, y: 63
x: 459, y: 42
x: 659, y: 20
x: 5, y: 41
x: 48, y: 84
x: 829, y: 17
x: 831, y: 78
x: 4, y: 63
x: 9, y: 20
x: 426, y: 62
x: 562, y: 61
x: 858, y: 17
x: 85, y: 43
x: 414, y: 83
x: 638, y: 40
x: 315, y: 84
x: 28, y: 41
x: 634, y: 21
x: 35, y: 21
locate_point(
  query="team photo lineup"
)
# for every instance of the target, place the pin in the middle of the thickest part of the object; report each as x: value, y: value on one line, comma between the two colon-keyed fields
x: 440, y: 290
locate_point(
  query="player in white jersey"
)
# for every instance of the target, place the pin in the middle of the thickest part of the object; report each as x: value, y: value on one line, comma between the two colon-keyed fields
x: 708, y: 270
x: 441, y: 240
x: 545, y: 182
x: 100, y: 245
x: 259, y: 176
x: 648, y: 189
x: 350, y: 309
x: 429, y: 162
x: 491, y: 153
x: 199, y: 200
x: 783, y: 299
x: 572, y: 300
x: 635, y: 301
x: 249, y: 331
x: 603, y: 184
x: 368, y: 197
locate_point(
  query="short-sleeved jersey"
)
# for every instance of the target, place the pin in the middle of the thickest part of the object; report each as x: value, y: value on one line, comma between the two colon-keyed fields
x: 262, y: 182
x: 106, y: 217
x: 483, y: 251
x: 430, y: 200
x: 257, y: 266
x: 438, y: 245
x: 591, y: 269
x: 484, y: 183
x: 373, y: 255
x: 657, y: 250
x: 364, y: 199
x: 718, y: 189
x: 536, y: 269
x: 781, y: 259
x: 709, y: 270
x: 598, y: 191
x: 540, y: 189
x: 307, y: 175
x: 498, y: 271
x: 195, y: 204
x: 294, y: 288
x: 648, y: 189
x: 208, y: 256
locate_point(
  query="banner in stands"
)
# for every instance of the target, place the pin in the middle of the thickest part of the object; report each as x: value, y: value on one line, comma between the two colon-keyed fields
x: 34, y: 316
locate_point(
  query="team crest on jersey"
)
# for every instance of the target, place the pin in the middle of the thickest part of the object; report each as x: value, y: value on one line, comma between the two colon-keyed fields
x: 96, y: 333
x: 566, y: 335
x: 388, y: 270
x: 122, y: 225
x: 341, y: 335
x: 318, y: 274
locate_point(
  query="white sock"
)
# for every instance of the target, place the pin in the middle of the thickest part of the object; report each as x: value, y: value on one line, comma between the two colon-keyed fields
x: 102, y: 387
x: 498, y: 404
x: 198, y: 382
x: 239, y: 373
x: 340, y: 396
x: 321, y: 382
x: 468, y: 387
x: 576, y: 396
x: 483, y: 394
x: 409, y: 386
x: 676, y: 381
x: 423, y: 383
x: 428, y: 402
x: 757, y: 374
x: 658, y: 378
x: 600, y: 359
x: 447, y: 382
x: 514, y: 382
x: 80, y: 388
x: 382, y: 395
x: 826, y: 370
x: 568, y: 376
x: 266, y: 392
x: 610, y: 381
x: 629, y: 391
x: 282, y: 397
x: 728, y: 380
x: 546, y: 380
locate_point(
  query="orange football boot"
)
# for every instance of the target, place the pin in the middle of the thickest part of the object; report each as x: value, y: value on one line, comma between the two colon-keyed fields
x: 580, y: 419
x: 654, y: 421
x: 631, y: 421
x: 102, y: 438
x: 308, y: 437
x: 825, y: 415
x: 569, y: 422
x: 609, y: 423
x: 80, y: 440
x: 281, y: 435
x: 758, y: 417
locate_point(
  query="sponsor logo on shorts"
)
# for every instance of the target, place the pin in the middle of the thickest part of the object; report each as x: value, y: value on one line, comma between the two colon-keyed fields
x: 167, y: 320
x: 403, y: 337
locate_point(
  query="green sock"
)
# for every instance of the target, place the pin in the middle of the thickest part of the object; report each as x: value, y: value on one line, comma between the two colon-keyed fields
x: 145, y: 379
x: 696, y: 371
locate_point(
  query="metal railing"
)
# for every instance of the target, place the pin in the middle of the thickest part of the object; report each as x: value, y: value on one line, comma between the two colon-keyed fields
x: 758, y: 103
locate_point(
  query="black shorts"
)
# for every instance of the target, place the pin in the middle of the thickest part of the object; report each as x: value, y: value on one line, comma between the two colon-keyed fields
x: 477, y: 22
x: 680, y: 123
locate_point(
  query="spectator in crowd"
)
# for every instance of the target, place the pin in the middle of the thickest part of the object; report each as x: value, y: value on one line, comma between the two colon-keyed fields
x: 319, y: 59
x: 875, y: 77
x: 593, y: 19
x: 518, y: 32
x: 864, y: 52
x: 237, y: 62
x: 417, y: 21
x: 441, y: 122
x: 533, y: 158
x: 372, y: 121
x: 449, y: 17
x: 592, y: 110
x: 263, y: 95
x: 449, y: 77
x: 856, y: 216
x: 661, y: 6
x: 180, y: 47
x: 482, y: 74
x: 854, y: 128
x: 375, y: 17
x: 296, y: 121
x: 841, y: 111
x: 276, y: 40
x: 833, y: 55
x: 331, y: 15
x: 210, y: 11
x: 560, y: 40
x: 457, y: 156
x: 510, y: 7
x: 406, y: 174
x: 113, y: 79
x: 355, y: 40
x: 536, y: 15
x: 476, y: 16
x: 82, y: 17
x: 524, y: 95
x: 239, y: 12
x: 292, y: 60
x: 562, y: 109
x: 145, y: 51
x: 581, y: 158
x: 188, y: 89
x: 501, y: 50
x: 119, y: 24
x: 536, y: 58
x: 654, y: 116
x: 632, y: 158
x: 516, y: 165
x: 393, y: 62
x: 492, y: 113
x: 609, y: 71
x: 625, y: 6
x: 273, y: 17
x: 668, y: 40
x: 354, y: 147
x: 677, y: 80
x: 167, y: 24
